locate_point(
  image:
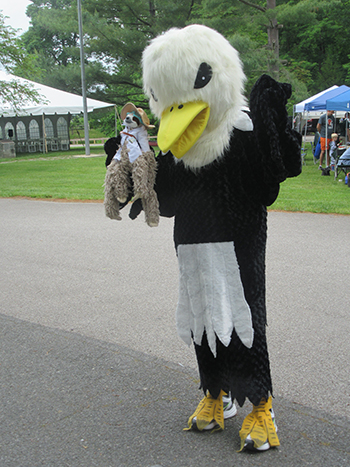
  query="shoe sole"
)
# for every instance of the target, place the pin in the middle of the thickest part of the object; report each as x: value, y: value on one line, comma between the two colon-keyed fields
x: 249, y: 443
x: 227, y: 414
x: 249, y: 446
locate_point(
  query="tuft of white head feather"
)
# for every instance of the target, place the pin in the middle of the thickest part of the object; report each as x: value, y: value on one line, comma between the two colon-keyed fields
x: 195, y: 80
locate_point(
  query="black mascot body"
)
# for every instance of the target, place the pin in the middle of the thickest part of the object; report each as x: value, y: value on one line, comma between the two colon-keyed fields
x: 219, y: 168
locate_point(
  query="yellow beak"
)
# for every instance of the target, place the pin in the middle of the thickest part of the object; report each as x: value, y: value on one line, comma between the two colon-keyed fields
x: 181, y: 126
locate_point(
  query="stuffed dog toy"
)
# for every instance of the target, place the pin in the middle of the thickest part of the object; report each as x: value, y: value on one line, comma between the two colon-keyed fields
x: 132, y: 168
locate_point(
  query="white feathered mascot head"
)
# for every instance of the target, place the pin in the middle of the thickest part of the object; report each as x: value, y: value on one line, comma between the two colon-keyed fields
x: 194, y: 79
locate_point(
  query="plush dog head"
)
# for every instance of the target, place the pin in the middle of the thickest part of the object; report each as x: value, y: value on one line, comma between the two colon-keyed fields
x: 132, y: 120
x: 134, y: 117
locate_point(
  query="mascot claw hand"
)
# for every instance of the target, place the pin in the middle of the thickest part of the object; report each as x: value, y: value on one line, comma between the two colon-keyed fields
x: 132, y: 167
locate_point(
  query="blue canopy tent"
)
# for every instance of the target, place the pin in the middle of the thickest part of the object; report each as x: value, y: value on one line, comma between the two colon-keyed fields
x: 320, y: 102
x: 300, y: 107
x: 340, y: 102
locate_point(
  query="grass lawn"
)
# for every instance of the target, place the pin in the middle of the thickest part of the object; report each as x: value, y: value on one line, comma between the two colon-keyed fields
x: 63, y: 176
x: 311, y: 192
x: 60, y: 176
x: 80, y: 134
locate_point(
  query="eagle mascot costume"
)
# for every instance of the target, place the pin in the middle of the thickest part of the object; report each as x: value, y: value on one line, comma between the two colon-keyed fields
x: 219, y: 167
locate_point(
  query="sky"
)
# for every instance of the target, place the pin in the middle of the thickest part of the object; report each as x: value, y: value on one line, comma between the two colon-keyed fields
x: 16, y: 10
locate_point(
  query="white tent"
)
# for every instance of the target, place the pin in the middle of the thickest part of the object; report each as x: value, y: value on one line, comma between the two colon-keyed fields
x: 44, y: 126
x: 55, y: 101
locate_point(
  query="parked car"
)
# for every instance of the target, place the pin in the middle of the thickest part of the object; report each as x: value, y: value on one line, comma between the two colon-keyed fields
x: 311, y: 126
x: 299, y: 124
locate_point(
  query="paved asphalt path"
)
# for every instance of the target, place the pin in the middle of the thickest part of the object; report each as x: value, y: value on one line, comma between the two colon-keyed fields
x: 93, y: 373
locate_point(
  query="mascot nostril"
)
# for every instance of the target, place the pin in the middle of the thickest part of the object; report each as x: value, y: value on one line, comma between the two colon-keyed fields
x: 132, y: 170
x: 220, y: 168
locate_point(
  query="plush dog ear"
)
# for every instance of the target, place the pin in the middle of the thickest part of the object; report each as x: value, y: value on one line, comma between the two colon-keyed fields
x: 111, y: 147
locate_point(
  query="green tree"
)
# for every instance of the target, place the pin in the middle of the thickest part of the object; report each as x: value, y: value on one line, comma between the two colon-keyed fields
x: 315, y: 37
x: 312, y: 50
x: 53, y: 37
x: 12, y: 56
x: 248, y: 25
x: 115, y: 34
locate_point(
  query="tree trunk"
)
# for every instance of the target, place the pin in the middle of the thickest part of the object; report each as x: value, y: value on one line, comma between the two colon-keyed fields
x: 272, y: 35
x: 273, y: 40
x: 152, y: 9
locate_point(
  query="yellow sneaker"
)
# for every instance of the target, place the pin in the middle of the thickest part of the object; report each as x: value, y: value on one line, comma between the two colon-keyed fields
x: 259, y: 429
x: 211, y: 413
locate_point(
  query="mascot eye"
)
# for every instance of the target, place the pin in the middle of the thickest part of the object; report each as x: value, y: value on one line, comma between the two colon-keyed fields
x: 204, y: 75
x: 153, y: 95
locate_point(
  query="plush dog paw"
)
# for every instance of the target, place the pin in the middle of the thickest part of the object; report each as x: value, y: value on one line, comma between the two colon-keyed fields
x: 152, y: 223
x: 112, y: 212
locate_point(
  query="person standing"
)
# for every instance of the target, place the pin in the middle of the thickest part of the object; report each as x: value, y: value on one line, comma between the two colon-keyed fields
x: 344, y: 126
x: 326, y: 126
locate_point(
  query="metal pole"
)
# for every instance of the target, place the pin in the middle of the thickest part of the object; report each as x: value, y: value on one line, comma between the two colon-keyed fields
x: 45, y: 151
x: 83, y: 84
x: 346, y: 130
x: 326, y: 152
